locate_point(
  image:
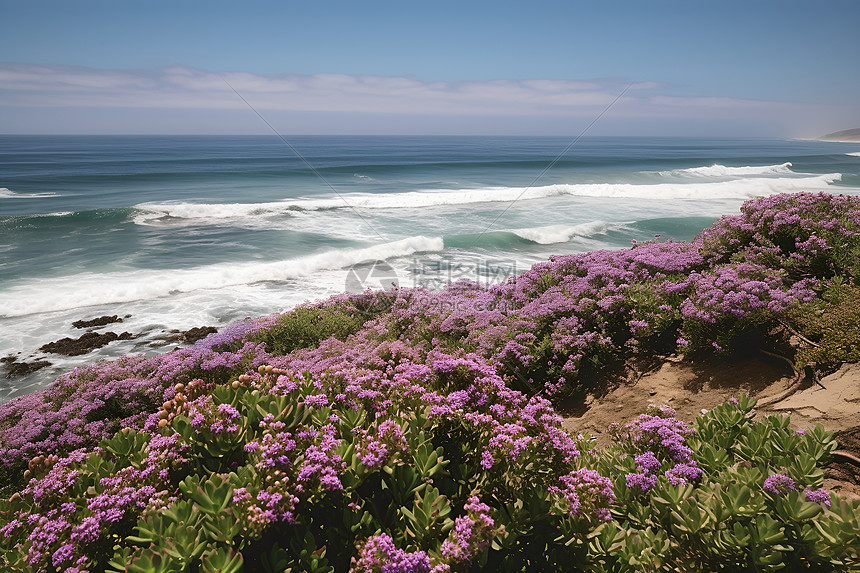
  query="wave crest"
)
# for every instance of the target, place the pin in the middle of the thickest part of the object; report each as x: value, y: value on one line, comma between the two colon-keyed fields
x: 153, y: 213
x: 717, y: 170
x: 553, y: 234
x: 90, y: 289
x: 6, y: 193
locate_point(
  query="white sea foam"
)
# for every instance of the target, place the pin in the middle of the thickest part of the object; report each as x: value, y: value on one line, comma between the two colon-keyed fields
x: 553, y: 234
x: 89, y: 289
x: 152, y: 213
x: 854, y: 154
x: 717, y: 170
x: 9, y: 194
x: 46, y: 215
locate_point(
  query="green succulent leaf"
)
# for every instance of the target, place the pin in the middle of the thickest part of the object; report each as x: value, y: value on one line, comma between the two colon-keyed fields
x: 222, y: 560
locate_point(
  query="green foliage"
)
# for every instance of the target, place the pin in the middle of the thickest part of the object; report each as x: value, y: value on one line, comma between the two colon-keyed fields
x: 833, y: 324
x: 730, y: 520
x: 307, y: 326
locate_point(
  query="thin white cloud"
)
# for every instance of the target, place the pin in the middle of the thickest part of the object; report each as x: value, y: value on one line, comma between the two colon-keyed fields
x: 181, y: 87
x: 710, y: 102
x: 411, y: 104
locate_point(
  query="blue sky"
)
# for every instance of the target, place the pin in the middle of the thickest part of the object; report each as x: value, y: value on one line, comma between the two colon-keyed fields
x: 753, y: 68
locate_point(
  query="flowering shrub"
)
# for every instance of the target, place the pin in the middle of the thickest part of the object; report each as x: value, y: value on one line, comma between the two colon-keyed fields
x: 723, y: 494
x: 412, y: 430
x: 808, y: 235
x: 93, y: 402
x: 265, y: 473
x: 293, y: 492
x: 379, y: 555
x: 549, y: 331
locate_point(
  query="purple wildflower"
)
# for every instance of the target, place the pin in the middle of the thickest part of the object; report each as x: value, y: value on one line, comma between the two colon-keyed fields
x: 585, y: 492
x: 818, y: 496
x: 379, y: 555
x: 472, y: 533
x: 684, y: 473
x: 779, y: 484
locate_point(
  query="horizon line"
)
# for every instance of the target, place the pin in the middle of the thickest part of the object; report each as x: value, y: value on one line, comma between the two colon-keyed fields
x: 512, y: 135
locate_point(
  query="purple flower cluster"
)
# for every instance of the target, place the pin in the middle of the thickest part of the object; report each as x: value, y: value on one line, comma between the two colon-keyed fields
x: 66, y: 516
x: 818, y: 496
x: 290, y: 466
x: 646, y: 478
x: 779, y: 484
x: 379, y: 555
x: 585, y: 492
x: 738, y: 290
x: 271, y: 505
x: 659, y: 434
x: 386, y: 377
x: 275, y: 447
x: 215, y: 420
x: 660, y: 431
x: 684, y: 473
x: 321, y: 464
x: 642, y: 481
x: 805, y: 234
x: 93, y: 402
x: 237, y: 332
x: 377, y: 448
x: 471, y: 535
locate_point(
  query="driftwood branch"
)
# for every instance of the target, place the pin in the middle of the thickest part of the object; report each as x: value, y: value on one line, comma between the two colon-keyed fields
x: 846, y: 455
x: 800, y: 336
x: 796, y: 385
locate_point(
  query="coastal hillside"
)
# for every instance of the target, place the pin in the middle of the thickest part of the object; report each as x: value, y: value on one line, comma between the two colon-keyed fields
x: 849, y: 135
x: 613, y: 410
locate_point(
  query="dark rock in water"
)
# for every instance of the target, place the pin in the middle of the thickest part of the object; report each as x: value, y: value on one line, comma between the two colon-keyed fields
x: 15, y: 368
x: 189, y: 336
x: 86, y: 343
x: 199, y: 333
x: 100, y: 321
x: 171, y: 337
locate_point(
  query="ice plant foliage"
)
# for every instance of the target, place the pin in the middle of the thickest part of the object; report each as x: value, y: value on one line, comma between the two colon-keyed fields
x: 413, y: 430
x: 262, y: 473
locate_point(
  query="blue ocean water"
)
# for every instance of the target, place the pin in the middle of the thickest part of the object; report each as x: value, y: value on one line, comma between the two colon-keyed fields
x: 175, y: 232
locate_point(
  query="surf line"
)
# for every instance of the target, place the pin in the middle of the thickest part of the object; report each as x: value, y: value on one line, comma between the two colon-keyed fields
x: 305, y: 161
x: 553, y: 162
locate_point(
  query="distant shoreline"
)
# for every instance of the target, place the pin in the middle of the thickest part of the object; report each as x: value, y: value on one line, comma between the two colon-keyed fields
x: 846, y: 136
x: 826, y: 140
x: 838, y: 140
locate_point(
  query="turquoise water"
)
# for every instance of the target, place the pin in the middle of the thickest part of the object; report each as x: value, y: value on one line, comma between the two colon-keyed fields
x: 181, y: 232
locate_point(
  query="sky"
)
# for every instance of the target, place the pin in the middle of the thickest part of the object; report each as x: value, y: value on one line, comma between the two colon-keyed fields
x: 757, y: 68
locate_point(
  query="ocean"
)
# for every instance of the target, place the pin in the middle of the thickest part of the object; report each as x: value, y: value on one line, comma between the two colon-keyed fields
x: 176, y: 232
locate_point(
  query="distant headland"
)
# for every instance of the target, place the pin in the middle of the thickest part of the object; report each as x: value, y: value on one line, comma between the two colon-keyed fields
x: 848, y: 136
